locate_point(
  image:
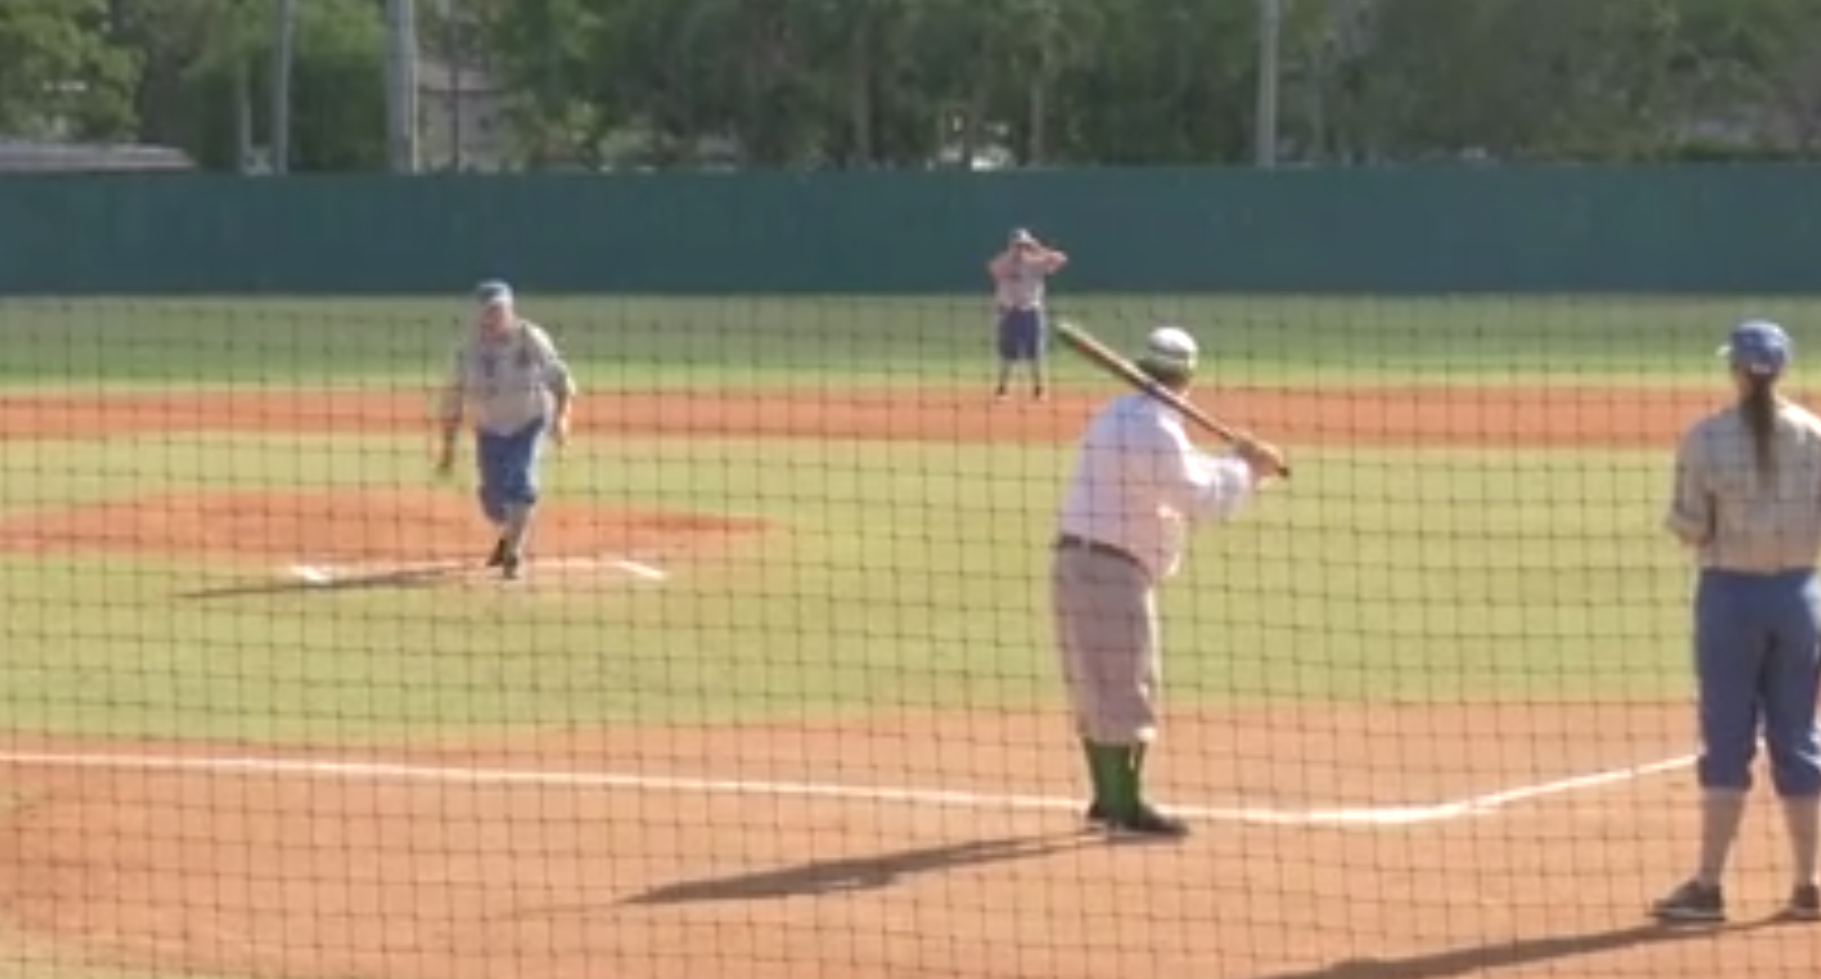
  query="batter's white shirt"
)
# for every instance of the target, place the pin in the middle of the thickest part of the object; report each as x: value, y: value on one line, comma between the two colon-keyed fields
x: 1141, y: 486
x: 1736, y: 519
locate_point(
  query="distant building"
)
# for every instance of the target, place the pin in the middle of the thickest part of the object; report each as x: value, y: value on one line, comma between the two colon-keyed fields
x: 462, y: 121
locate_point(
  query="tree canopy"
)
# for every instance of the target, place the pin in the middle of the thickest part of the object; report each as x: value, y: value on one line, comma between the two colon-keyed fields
x: 922, y: 83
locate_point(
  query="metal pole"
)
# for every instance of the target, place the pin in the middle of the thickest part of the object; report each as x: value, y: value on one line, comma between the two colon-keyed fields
x: 1270, y: 31
x: 243, y: 119
x: 401, y: 85
x: 284, y: 41
x: 453, y: 42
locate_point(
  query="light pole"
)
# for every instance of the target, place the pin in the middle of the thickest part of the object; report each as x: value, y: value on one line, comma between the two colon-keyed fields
x: 401, y: 85
x: 1270, y: 37
x: 284, y: 43
x: 452, y: 63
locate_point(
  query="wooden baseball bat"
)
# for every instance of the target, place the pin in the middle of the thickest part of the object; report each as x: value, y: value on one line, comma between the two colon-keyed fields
x: 1109, y: 360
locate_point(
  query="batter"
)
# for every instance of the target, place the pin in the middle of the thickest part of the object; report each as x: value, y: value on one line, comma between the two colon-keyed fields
x: 1139, y: 486
x: 511, y: 384
x: 1747, y: 499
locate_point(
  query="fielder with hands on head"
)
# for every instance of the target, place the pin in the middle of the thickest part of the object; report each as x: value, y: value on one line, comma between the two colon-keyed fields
x: 1139, y: 486
x: 1018, y: 296
x: 1747, y: 499
x: 511, y: 384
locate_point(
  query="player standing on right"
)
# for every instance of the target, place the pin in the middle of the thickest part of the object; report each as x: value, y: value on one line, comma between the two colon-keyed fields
x: 1018, y: 295
x: 1747, y: 498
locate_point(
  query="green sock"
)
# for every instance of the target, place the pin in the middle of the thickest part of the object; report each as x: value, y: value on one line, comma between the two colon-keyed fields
x: 1121, y: 779
x: 1137, y: 776
x: 1098, y: 773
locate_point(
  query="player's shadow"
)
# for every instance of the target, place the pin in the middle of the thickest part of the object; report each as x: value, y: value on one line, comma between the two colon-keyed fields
x: 403, y: 579
x: 1485, y: 959
x: 855, y: 873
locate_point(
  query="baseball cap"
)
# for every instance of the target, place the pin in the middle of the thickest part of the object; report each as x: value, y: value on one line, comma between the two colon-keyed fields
x: 493, y: 292
x: 1758, y: 346
x: 1170, y: 348
x: 1023, y: 236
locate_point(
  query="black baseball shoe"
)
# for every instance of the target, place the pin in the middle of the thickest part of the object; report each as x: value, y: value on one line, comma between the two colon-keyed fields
x: 1692, y: 903
x: 1804, y: 904
x: 497, y: 559
x: 1097, y: 814
x: 1146, y: 822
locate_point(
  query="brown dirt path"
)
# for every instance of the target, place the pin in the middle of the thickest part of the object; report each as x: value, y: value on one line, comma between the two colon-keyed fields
x: 435, y: 874
x: 1503, y: 417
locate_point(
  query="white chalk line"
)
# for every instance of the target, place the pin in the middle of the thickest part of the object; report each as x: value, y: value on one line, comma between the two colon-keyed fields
x: 324, y: 575
x: 318, y: 768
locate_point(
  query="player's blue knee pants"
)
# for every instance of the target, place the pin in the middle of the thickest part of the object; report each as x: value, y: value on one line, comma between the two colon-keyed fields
x: 508, y: 470
x: 1758, y: 661
x: 1023, y: 334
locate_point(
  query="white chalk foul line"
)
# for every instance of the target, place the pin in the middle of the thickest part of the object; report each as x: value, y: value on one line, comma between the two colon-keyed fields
x: 935, y: 798
x: 1577, y: 783
x: 641, y: 569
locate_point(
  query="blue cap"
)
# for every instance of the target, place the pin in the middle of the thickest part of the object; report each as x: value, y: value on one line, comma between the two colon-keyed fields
x: 493, y: 292
x: 1758, y: 347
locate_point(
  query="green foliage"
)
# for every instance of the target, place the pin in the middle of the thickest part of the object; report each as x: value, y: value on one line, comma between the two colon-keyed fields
x: 338, y: 99
x: 61, y: 74
x: 901, y: 83
x: 206, y: 70
x: 1511, y: 79
x: 920, y: 83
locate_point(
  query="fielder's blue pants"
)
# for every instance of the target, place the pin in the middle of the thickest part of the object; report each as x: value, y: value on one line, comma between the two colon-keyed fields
x: 1758, y: 663
x: 508, y: 470
x: 1021, y: 335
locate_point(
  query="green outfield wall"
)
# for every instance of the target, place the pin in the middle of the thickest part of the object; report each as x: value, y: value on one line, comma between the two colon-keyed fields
x: 1697, y: 229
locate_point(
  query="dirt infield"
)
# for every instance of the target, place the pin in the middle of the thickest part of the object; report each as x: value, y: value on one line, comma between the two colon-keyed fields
x: 773, y: 851
x: 1564, y: 417
x: 1333, y: 843
x: 374, y: 537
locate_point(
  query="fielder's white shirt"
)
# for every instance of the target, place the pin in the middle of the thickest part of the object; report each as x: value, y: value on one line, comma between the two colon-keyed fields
x: 503, y: 384
x: 1141, y: 486
x: 1736, y: 519
x: 1020, y: 285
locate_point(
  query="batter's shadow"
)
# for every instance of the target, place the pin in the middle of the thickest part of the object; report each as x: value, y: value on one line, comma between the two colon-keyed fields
x: 1478, y: 959
x: 867, y: 873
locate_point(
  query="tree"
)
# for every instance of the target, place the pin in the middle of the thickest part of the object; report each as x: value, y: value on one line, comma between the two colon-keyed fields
x: 1512, y: 79
x: 61, y: 74
x: 1755, y: 68
x: 207, y: 75
x: 795, y: 83
x: 1170, y: 82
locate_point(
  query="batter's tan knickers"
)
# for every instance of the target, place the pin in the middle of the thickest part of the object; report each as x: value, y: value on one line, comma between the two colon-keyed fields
x: 1106, y: 631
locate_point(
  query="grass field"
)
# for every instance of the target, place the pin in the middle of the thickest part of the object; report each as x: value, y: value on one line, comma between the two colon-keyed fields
x: 895, y: 577
x: 742, y: 341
